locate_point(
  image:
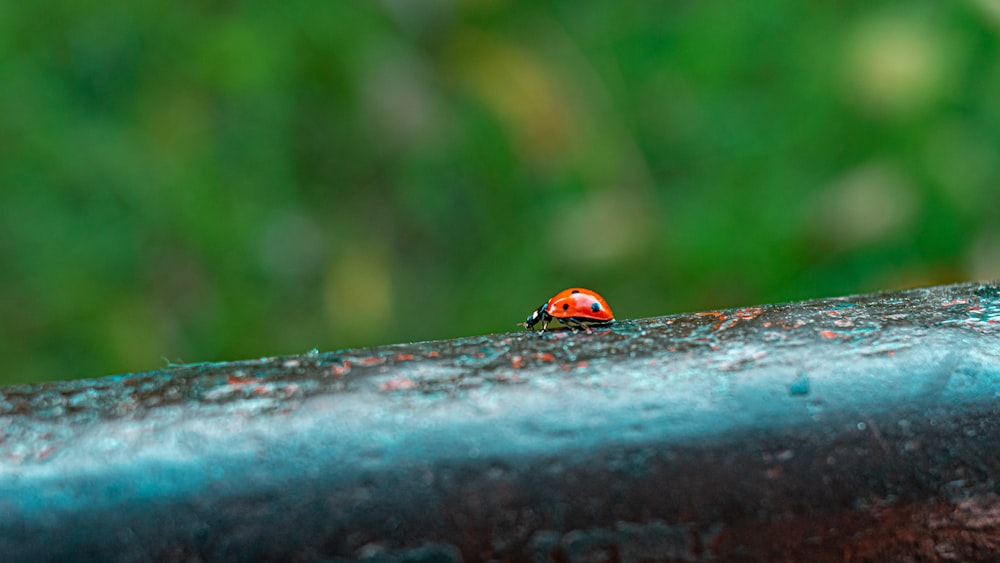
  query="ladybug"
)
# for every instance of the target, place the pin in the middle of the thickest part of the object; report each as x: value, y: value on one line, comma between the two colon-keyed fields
x: 576, y: 307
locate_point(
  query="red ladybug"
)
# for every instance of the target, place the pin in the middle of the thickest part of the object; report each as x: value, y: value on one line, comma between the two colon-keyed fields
x: 576, y: 307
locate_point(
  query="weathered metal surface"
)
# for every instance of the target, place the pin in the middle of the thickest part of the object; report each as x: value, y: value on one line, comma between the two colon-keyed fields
x: 850, y: 429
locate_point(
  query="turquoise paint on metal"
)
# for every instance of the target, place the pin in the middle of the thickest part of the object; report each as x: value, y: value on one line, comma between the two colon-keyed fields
x: 808, y: 431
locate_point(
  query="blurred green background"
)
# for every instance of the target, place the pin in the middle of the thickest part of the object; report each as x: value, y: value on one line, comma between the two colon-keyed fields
x: 211, y: 181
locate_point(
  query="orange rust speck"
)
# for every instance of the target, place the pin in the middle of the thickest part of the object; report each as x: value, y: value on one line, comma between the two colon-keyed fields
x: 582, y: 364
x: 341, y: 370
x: 395, y: 384
x: 718, y: 314
x: 371, y: 360
x: 955, y: 302
x: 233, y: 380
x: 479, y: 355
x: 828, y: 334
x: 404, y: 357
x: 767, y: 323
x: 546, y: 357
x: 515, y: 362
x: 432, y: 354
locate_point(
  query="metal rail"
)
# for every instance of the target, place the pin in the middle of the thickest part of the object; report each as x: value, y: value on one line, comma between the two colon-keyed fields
x: 863, y: 428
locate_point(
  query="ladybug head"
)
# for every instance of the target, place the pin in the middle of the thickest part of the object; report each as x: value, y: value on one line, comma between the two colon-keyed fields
x: 539, y: 315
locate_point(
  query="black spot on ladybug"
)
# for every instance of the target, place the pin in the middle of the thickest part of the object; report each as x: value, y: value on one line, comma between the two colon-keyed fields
x: 565, y: 306
x: 575, y: 291
x: 595, y: 306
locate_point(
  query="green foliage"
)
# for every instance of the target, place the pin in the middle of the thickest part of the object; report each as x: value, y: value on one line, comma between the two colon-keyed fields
x: 227, y: 181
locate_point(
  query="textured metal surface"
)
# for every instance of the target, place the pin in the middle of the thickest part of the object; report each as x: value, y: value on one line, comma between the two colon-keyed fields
x: 856, y: 428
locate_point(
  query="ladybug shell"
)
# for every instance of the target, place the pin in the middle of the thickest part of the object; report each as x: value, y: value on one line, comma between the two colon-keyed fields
x: 579, y: 303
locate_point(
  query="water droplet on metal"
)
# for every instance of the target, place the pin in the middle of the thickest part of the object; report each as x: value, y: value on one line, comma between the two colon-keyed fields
x: 800, y: 386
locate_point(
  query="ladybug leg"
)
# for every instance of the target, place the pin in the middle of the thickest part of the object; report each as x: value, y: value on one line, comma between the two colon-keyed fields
x: 545, y: 316
x: 577, y: 325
